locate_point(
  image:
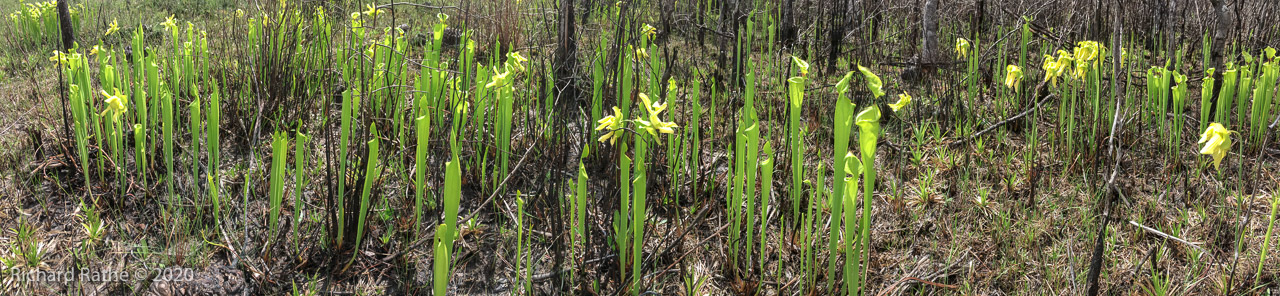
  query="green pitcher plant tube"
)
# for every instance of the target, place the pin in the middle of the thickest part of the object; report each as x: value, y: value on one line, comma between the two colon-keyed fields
x: 796, y: 94
x: 843, y: 122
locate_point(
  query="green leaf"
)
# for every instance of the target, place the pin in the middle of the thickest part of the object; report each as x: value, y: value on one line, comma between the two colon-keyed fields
x: 873, y: 81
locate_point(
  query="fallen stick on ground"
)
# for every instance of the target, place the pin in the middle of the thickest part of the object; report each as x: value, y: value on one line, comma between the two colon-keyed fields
x: 1162, y: 234
x: 1010, y: 119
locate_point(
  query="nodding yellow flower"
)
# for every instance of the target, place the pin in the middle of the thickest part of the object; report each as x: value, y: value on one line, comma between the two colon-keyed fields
x: 640, y: 53
x: 518, y: 61
x: 648, y: 30
x: 58, y: 57
x: 653, y: 124
x: 804, y: 66
x: 498, y: 79
x: 1055, y: 68
x: 115, y: 104
x: 94, y: 50
x: 115, y: 26
x: 613, y: 123
x: 652, y: 107
x: 1064, y: 62
x: 962, y: 47
x: 1013, y: 77
x: 170, y: 23
x: 372, y: 10
x: 1217, y: 142
x: 903, y: 100
x: 239, y: 13
x: 1085, y: 53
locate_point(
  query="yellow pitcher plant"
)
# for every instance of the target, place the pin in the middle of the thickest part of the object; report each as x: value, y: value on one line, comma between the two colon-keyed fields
x: 903, y: 100
x: 1217, y: 141
x: 962, y: 48
x: 1013, y: 78
x: 613, y: 124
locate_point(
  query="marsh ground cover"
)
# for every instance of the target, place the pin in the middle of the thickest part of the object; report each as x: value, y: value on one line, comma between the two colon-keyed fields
x: 641, y: 147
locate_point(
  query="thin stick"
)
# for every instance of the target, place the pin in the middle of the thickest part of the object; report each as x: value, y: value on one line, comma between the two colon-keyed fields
x: 1165, y: 235
x: 1010, y: 119
x: 1095, y: 264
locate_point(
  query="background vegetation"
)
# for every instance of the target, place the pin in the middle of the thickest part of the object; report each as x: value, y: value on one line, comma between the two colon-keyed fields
x: 703, y: 147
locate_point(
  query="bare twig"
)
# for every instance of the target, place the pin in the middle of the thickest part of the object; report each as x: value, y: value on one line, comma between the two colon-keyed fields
x: 1010, y: 119
x: 1162, y: 234
x: 1095, y: 264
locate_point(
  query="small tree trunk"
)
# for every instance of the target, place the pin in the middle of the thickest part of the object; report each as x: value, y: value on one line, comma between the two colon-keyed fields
x: 929, y: 23
x: 1170, y: 6
x: 64, y: 22
x: 566, y: 56
x: 1222, y: 10
x: 976, y: 26
x: 68, y: 41
x: 835, y: 32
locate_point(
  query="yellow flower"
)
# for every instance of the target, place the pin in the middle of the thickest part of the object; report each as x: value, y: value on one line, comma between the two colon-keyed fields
x: 115, y: 26
x: 115, y: 104
x: 640, y: 53
x: 903, y: 100
x: 170, y: 23
x: 1013, y: 77
x: 498, y: 79
x: 94, y: 50
x: 1054, y: 69
x: 613, y: 123
x: 372, y: 10
x: 653, y: 108
x: 962, y: 47
x: 58, y: 57
x: 239, y: 13
x: 648, y: 30
x: 609, y: 121
x: 1085, y: 52
x: 516, y: 61
x: 653, y: 124
x: 1217, y: 141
